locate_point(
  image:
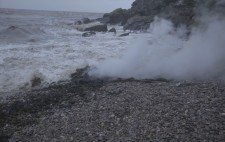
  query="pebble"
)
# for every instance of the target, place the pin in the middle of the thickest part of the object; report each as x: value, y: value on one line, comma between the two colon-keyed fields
x: 137, y: 112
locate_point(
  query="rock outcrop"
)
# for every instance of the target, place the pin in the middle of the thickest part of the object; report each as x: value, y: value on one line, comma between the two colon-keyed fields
x: 118, y: 16
x: 138, y: 23
x: 142, y: 12
x: 180, y: 12
x: 93, y: 26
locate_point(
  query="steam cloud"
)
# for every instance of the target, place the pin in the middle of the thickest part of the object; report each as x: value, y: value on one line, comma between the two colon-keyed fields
x: 166, y: 54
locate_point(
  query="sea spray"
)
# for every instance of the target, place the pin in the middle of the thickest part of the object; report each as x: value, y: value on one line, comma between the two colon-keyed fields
x: 167, y: 54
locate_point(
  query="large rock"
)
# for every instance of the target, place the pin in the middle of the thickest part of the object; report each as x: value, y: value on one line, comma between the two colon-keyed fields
x: 78, y: 22
x: 125, y: 34
x: 113, y: 30
x: 86, y: 20
x: 104, y: 20
x: 180, y: 12
x: 118, y: 16
x: 83, y: 21
x: 94, y: 26
x: 146, y: 7
x: 138, y: 23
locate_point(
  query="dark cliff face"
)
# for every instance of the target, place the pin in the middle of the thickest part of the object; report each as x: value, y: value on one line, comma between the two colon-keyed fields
x: 180, y: 12
x: 150, y: 7
x: 117, y: 16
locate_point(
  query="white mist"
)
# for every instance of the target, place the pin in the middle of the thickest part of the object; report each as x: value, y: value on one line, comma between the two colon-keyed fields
x: 167, y: 55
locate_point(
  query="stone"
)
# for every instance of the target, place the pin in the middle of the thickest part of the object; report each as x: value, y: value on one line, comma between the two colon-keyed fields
x: 36, y: 81
x: 86, y: 20
x: 97, y: 28
x: 103, y: 20
x: 125, y: 34
x: 93, y: 26
x: 88, y: 34
x: 112, y: 30
x: 83, y: 21
x: 12, y: 28
x: 78, y: 22
x: 118, y: 16
x: 32, y: 40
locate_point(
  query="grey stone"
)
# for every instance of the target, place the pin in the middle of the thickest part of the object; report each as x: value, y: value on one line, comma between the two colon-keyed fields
x: 86, y: 20
x: 78, y: 22
x: 88, y: 34
x: 97, y: 28
x: 112, y: 30
x: 125, y: 34
x: 93, y: 26
x: 118, y: 16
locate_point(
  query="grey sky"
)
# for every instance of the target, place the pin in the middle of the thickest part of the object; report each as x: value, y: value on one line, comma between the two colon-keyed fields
x: 67, y: 5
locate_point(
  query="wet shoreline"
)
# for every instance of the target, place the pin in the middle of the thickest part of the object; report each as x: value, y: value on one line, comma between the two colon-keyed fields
x: 88, y: 109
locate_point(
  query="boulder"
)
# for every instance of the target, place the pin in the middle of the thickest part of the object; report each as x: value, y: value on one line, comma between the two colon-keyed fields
x: 138, y: 23
x: 94, y: 26
x: 88, y: 34
x: 118, y: 16
x: 32, y: 40
x: 12, y: 28
x: 113, y: 30
x: 97, y: 28
x: 78, y: 22
x: 125, y: 34
x: 36, y: 81
x: 104, y: 20
x: 85, y: 20
x: 70, y: 24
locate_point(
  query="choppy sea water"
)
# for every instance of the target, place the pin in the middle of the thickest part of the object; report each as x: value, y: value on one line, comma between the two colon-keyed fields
x: 44, y: 44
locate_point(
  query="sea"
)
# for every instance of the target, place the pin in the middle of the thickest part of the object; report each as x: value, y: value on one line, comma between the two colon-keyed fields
x: 46, y: 45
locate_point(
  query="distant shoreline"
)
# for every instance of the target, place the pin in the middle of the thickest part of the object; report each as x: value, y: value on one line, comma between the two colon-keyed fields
x: 13, y: 9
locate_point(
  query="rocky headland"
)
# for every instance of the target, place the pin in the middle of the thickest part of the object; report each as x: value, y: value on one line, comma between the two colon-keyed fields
x: 180, y: 12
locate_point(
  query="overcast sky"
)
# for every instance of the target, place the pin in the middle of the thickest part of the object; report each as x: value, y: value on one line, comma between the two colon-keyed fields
x: 67, y: 5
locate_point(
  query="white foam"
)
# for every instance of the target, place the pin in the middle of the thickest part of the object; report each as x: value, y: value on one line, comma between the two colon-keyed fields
x: 56, y: 57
